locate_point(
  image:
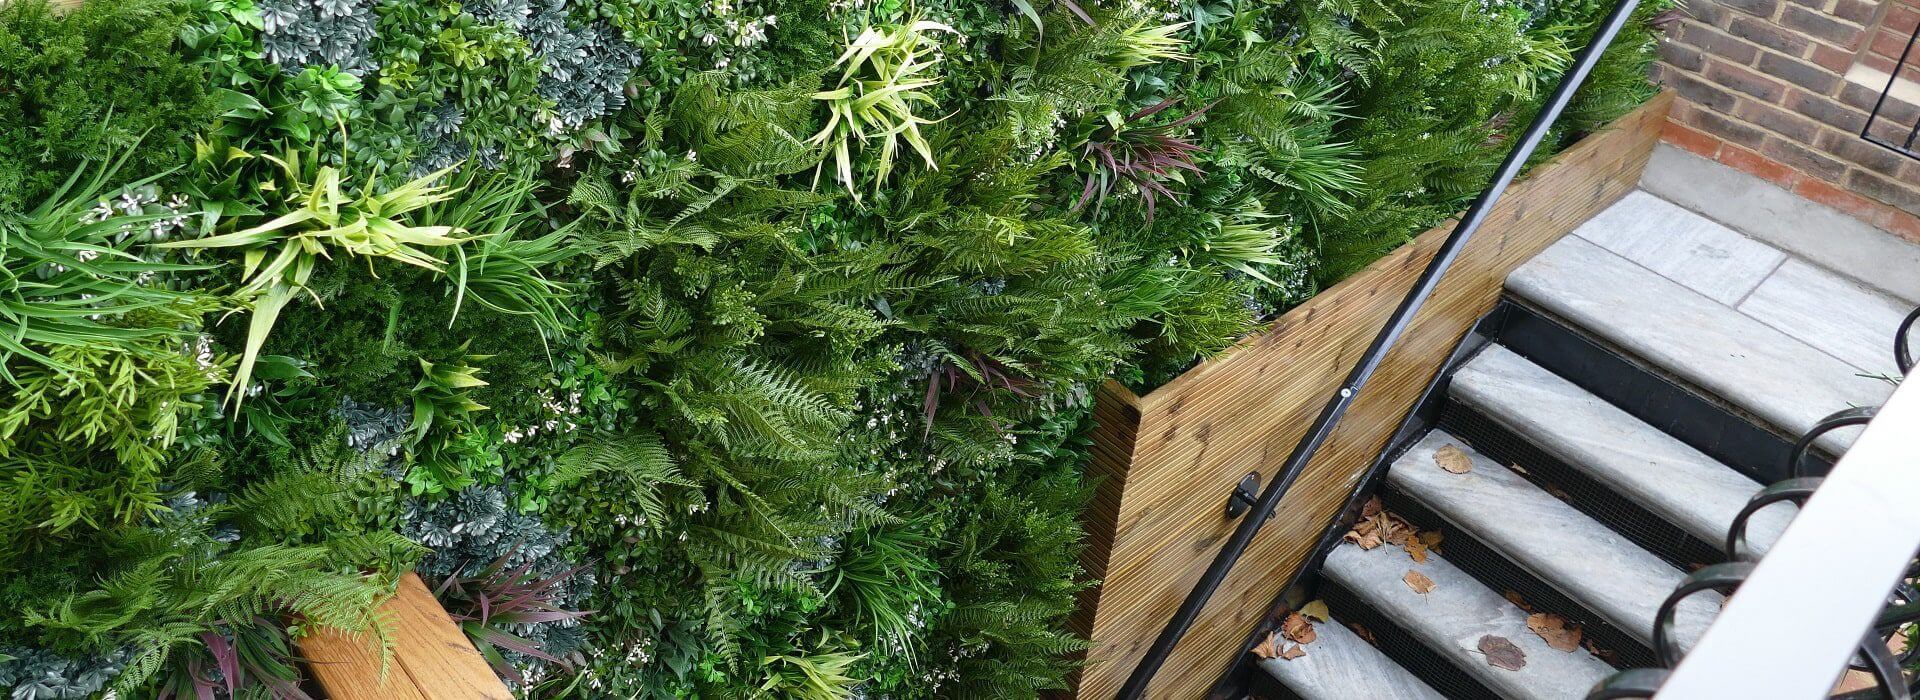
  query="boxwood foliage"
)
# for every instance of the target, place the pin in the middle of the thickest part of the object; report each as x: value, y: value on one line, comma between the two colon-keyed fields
x: 743, y: 348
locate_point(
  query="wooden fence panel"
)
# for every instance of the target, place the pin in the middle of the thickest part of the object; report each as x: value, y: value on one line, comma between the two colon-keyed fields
x: 1165, y: 468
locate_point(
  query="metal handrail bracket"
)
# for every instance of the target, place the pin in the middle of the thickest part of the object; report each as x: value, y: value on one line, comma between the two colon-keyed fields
x: 1336, y: 407
x: 1825, y: 580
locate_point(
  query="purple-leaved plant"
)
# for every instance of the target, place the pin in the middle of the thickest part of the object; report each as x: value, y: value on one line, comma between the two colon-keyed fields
x: 1146, y: 156
x: 487, y: 603
x: 985, y: 375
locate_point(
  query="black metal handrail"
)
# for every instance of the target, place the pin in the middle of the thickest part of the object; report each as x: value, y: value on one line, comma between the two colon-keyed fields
x: 1337, y: 406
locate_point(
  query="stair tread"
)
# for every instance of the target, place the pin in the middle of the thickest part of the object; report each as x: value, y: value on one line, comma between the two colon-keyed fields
x: 1793, y: 296
x: 1564, y: 548
x: 1339, y: 665
x: 1737, y: 358
x: 1451, y: 619
x: 1698, y: 252
x: 1653, y: 469
x: 1832, y: 313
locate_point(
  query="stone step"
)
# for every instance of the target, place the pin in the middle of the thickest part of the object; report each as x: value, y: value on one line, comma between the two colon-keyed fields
x: 1755, y: 367
x: 1679, y: 484
x: 1549, y: 539
x: 1452, y: 617
x: 1339, y: 665
x: 1791, y: 295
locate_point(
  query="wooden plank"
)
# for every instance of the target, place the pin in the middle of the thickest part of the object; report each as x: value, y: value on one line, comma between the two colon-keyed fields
x: 57, y: 5
x: 432, y: 659
x: 1247, y: 409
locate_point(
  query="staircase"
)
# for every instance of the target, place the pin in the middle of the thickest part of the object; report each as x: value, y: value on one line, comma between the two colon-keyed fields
x: 1590, y: 445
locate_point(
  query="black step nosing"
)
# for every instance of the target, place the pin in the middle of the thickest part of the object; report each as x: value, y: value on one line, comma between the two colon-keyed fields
x: 1494, y: 569
x: 1400, y: 646
x: 1261, y: 685
x: 1674, y: 406
x: 1618, y: 511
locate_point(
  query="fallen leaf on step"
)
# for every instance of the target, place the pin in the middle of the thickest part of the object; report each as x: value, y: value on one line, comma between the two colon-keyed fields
x: 1361, y: 631
x: 1501, y: 653
x: 1418, y: 582
x: 1293, y: 652
x: 1417, y: 549
x: 1268, y: 648
x: 1555, y: 630
x: 1517, y: 601
x: 1371, y: 507
x: 1297, y: 628
x: 1396, y: 529
x: 1606, y: 655
x: 1363, y: 534
x: 1382, y: 526
x: 1453, y: 460
x: 1431, y: 538
x: 1316, y: 611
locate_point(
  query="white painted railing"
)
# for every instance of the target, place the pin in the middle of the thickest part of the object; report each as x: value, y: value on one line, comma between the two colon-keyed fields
x: 1793, y: 626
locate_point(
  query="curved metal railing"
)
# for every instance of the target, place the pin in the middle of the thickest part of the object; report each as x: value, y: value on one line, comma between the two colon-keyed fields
x: 1336, y: 406
x: 1872, y: 652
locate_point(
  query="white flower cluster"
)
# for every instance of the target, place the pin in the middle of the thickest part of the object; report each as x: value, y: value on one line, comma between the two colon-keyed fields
x: 563, y: 418
x: 170, y: 216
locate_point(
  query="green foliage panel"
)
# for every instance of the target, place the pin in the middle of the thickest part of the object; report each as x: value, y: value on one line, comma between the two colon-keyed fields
x: 722, y: 348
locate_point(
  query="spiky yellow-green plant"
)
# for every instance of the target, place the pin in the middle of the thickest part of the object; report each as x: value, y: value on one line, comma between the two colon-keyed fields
x: 886, y: 72
x: 320, y: 216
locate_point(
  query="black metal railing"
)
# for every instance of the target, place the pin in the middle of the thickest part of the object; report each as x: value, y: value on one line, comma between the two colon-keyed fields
x: 1337, y: 406
x: 1884, y: 132
x: 1874, y: 655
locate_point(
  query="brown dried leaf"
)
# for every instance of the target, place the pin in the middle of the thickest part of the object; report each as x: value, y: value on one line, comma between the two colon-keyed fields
x: 1396, y: 529
x: 1268, y: 648
x: 1298, y: 629
x: 1371, y: 507
x: 1453, y: 460
x: 1316, y: 611
x: 1361, y: 631
x: 1431, y: 538
x: 1501, y: 653
x: 1293, y: 652
x: 1418, y: 582
x: 1367, y: 532
x: 1416, y: 549
x: 1518, y: 601
x: 1555, y: 630
x: 1606, y: 655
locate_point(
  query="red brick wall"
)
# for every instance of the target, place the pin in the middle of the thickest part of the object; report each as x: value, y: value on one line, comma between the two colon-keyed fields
x: 1763, y: 88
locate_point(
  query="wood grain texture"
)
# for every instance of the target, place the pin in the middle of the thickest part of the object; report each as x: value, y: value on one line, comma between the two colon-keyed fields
x: 432, y: 659
x: 1165, y: 470
x: 57, y: 5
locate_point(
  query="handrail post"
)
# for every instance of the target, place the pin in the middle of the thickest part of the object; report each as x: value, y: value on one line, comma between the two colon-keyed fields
x: 1322, y: 427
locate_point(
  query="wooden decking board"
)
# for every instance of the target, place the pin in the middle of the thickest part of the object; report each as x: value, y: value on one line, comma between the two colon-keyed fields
x: 432, y: 659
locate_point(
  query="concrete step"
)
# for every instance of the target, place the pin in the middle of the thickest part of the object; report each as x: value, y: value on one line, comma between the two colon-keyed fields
x: 1549, y: 539
x: 1679, y: 484
x: 1783, y: 381
x: 1339, y: 665
x: 1451, y: 619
